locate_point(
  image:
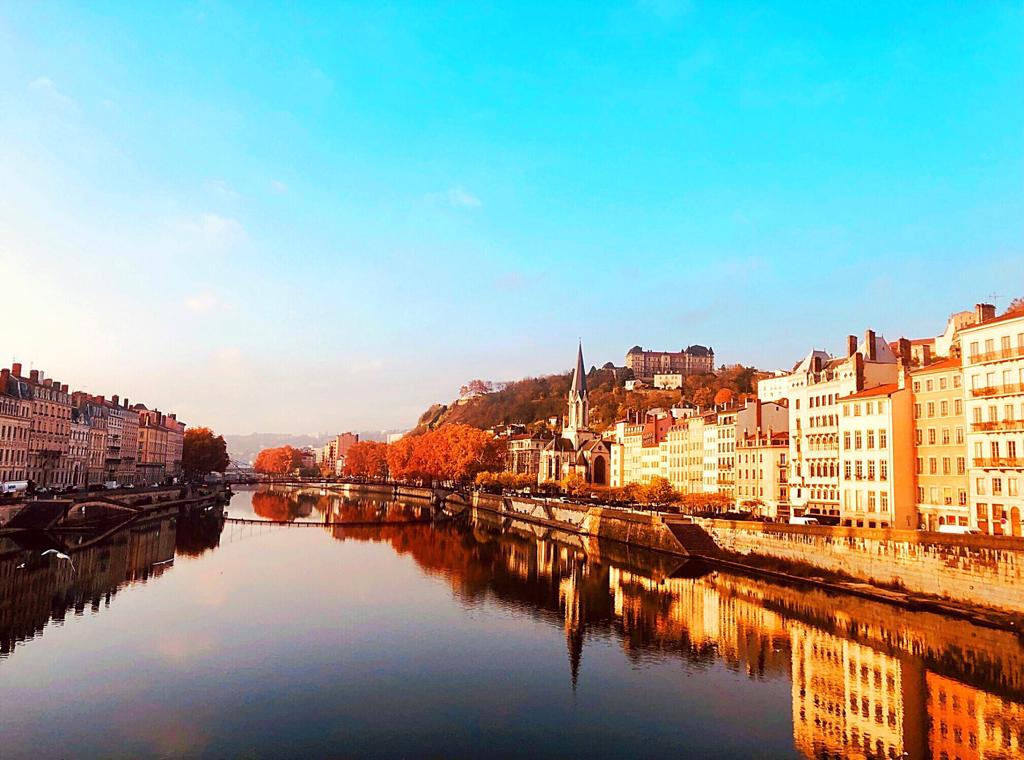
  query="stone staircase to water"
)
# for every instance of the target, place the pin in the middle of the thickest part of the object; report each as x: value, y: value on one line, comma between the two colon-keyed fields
x: 692, y: 537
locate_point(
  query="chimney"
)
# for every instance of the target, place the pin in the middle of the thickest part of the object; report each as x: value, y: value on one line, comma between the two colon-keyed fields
x: 16, y: 369
x: 903, y: 351
x: 64, y: 388
x: 48, y: 382
x: 869, y: 342
x: 33, y: 376
x: 851, y: 345
x: 4, y: 374
x: 126, y: 403
x: 983, y: 312
x: 901, y: 380
x: 115, y: 400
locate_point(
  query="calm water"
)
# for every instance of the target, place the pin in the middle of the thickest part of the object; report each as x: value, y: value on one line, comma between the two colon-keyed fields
x: 477, y: 638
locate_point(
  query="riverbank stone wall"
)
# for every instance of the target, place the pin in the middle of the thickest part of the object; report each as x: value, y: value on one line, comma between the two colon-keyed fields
x: 984, y: 570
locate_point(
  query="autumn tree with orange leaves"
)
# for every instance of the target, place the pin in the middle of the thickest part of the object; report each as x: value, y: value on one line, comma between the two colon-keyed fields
x: 451, y: 453
x: 367, y: 459
x: 282, y: 460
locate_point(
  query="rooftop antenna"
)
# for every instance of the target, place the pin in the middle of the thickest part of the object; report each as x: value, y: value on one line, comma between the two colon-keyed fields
x: 994, y: 297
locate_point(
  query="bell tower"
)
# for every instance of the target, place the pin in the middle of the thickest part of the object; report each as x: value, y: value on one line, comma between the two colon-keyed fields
x: 578, y: 428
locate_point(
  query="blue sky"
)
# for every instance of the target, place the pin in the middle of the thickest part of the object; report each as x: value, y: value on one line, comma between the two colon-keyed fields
x: 307, y: 219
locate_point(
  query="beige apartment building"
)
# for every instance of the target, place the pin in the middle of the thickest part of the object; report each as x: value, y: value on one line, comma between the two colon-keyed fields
x: 993, y: 372
x: 685, y: 454
x: 876, y: 454
x: 941, y: 490
x: 762, y: 474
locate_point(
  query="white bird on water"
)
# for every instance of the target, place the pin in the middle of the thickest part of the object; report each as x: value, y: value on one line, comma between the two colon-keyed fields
x: 60, y: 555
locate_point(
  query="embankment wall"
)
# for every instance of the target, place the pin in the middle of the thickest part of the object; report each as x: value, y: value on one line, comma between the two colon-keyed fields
x: 986, y: 570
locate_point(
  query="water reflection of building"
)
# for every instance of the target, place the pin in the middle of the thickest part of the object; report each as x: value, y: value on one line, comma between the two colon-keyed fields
x: 966, y: 723
x: 863, y: 675
x: 850, y: 700
x: 35, y: 590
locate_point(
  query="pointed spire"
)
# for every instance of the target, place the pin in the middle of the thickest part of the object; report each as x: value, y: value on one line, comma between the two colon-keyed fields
x: 579, y: 375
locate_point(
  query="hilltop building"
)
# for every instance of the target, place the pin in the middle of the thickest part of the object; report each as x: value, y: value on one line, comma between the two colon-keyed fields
x: 578, y: 450
x: 693, y: 360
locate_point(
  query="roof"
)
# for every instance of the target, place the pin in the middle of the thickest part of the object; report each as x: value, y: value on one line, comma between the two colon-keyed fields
x: 952, y: 362
x: 882, y: 390
x: 579, y: 375
x: 994, y: 320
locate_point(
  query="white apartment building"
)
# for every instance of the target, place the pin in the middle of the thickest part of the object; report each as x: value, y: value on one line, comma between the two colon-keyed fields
x: 815, y: 387
x: 993, y: 370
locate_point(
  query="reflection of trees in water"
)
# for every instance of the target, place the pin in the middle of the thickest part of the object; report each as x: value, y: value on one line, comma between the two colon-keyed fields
x: 199, y: 532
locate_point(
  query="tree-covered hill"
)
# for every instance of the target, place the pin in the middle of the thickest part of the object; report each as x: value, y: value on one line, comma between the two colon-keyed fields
x: 533, y: 400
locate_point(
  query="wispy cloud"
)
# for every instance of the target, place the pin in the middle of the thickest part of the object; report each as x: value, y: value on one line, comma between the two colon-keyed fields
x: 45, y: 88
x: 457, y: 197
x: 212, y: 232
x: 221, y: 189
x: 279, y: 187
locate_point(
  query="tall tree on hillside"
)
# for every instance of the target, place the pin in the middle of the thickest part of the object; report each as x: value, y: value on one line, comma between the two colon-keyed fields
x: 202, y: 453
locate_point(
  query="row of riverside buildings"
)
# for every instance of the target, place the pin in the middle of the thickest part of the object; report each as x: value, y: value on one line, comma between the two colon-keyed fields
x: 909, y: 434
x: 57, y: 438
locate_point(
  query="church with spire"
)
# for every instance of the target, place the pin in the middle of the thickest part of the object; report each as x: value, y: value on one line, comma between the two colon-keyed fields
x: 577, y: 450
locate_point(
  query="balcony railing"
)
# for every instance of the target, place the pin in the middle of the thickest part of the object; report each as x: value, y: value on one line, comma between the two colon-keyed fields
x: 998, y: 390
x: 995, y: 356
x: 983, y: 427
x: 999, y: 462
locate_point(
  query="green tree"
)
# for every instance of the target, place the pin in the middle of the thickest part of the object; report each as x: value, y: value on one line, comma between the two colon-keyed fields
x: 202, y: 453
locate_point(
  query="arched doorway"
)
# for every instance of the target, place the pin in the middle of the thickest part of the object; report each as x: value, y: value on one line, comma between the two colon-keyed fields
x: 1015, y: 527
x: 599, y: 472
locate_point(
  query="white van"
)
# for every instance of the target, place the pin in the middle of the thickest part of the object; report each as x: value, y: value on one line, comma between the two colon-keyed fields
x: 794, y: 520
x: 959, y: 530
x: 14, y: 486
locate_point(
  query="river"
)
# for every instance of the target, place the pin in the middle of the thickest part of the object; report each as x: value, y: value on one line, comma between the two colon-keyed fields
x: 474, y: 637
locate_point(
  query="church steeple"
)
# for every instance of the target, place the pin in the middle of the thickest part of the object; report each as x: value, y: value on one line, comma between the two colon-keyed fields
x: 579, y: 402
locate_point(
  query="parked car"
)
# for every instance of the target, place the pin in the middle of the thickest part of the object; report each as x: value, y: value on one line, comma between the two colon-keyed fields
x: 959, y: 530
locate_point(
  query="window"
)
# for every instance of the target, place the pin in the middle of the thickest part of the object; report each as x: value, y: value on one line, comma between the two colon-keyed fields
x: 961, y: 466
x: 881, y: 407
x: 871, y: 439
x: 883, y: 470
x: 871, y: 501
x: 960, y: 436
x: 917, y: 411
x: 973, y: 353
x: 857, y: 440
x: 846, y: 440
x: 1011, y: 487
x: 920, y: 494
x: 945, y: 436
x: 884, y: 501
x: 942, y: 383
x: 958, y: 406
x: 917, y: 386
x: 920, y: 466
x: 847, y: 470
x: 931, y: 436
x: 997, y: 486
x: 947, y: 465
x: 931, y: 408
x: 979, y: 486
x: 918, y: 436
x: 943, y: 408
x: 933, y: 466
x: 882, y: 439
